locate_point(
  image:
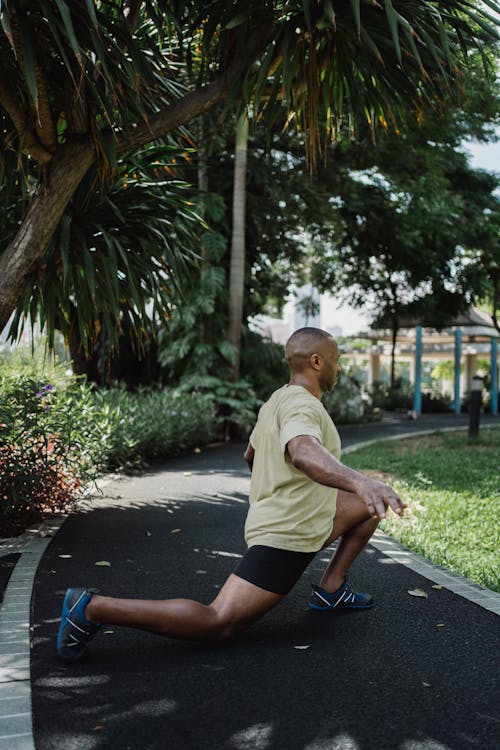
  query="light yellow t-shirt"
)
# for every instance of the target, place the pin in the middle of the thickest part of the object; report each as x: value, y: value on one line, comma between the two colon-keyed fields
x: 287, y: 509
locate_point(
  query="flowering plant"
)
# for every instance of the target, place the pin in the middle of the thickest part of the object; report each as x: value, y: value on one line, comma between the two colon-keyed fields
x: 42, y: 468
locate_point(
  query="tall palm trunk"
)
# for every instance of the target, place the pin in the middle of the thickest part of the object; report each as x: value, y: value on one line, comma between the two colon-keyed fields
x: 237, y: 270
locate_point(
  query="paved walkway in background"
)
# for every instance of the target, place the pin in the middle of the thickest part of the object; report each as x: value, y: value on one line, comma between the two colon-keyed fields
x: 410, y: 674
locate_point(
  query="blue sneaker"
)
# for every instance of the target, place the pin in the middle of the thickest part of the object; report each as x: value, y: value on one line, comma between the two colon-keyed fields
x: 342, y: 599
x: 75, y: 631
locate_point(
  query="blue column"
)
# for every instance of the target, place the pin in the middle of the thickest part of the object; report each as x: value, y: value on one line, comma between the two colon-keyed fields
x: 458, y: 358
x: 494, y: 376
x: 417, y: 386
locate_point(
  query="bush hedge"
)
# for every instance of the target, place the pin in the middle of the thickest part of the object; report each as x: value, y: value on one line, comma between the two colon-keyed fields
x: 57, y: 434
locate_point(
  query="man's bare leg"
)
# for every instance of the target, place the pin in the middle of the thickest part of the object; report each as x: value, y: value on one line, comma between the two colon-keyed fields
x: 355, y: 525
x: 237, y: 605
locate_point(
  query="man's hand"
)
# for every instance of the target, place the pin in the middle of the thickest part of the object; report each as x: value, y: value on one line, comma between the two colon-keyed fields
x: 309, y: 456
x: 377, y: 496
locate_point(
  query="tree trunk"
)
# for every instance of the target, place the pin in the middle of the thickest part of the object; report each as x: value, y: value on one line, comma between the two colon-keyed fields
x: 237, y: 270
x: 27, y: 249
x: 203, y: 189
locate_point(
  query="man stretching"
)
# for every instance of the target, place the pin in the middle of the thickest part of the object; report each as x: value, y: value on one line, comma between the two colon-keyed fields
x: 302, y: 498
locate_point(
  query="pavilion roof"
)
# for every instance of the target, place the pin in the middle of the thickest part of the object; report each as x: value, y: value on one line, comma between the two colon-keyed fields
x: 475, y: 325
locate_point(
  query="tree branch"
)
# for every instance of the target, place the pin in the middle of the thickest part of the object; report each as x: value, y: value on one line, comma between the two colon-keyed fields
x: 29, y: 143
x: 197, y: 102
x: 45, y: 127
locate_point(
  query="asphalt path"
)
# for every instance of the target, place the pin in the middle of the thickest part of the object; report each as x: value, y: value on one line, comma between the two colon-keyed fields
x: 410, y: 674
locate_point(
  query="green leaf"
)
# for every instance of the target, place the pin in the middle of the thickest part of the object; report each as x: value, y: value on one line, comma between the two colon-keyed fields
x: 356, y: 9
x: 68, y: 25
x: 89, y: 271
x: 392, y: 18
x: 306, y: 5
x: 108, y: 142
x: 92, y: 13
x: 239, y: 19
x: 29, y: 60
x: 65, y: 230
x: 329, y: 12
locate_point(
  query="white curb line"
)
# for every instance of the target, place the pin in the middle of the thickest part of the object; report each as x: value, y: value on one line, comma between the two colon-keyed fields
x: 15, y: 631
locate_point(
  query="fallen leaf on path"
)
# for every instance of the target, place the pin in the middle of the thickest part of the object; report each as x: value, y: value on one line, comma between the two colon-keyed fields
x: 437, y: 586
x: 418, y: 592
x: 103, y: 564
x: 97, y: 728
x: 302, y: 648
x: 175, y: 531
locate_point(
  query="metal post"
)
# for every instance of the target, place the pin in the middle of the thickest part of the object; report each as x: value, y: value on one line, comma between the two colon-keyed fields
x: 458, y: 358
x: 475, y: 405
x: 494, y: 377
x: 417, y: 388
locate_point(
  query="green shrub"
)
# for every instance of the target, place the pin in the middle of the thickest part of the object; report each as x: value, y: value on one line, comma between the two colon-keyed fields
x: 350, y: 402
x: 263, y: 364
x: 43, y: 459
x: 138, y: 427
x: 400, y: 396
x: 345, y: 403
x: 57, y: 433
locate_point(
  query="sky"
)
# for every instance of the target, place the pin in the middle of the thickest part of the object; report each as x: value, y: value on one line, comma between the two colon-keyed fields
x: 482, y: 156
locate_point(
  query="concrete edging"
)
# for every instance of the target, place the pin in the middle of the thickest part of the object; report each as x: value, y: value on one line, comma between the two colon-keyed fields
x: 16, y: 728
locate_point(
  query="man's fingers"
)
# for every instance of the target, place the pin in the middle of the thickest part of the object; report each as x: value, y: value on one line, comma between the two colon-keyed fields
x: 396, y: 503
x: 378, y: 501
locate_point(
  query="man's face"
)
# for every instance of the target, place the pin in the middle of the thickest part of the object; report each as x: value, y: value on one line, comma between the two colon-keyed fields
x: 330, y: 365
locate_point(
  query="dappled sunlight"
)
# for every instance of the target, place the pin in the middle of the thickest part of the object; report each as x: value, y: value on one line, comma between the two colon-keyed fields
x: 257, y: 737
x: 226, y: 554
x: 78, y: 683
x: 340, y: 742
x: 76, y: 740
x: 427, y: 744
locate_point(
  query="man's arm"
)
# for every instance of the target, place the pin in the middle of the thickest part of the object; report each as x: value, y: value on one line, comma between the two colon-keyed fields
x: 249, y: 454
x: 309, y: 456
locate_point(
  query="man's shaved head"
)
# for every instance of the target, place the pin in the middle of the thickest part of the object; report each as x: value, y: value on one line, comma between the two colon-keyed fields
x: 302, y: 345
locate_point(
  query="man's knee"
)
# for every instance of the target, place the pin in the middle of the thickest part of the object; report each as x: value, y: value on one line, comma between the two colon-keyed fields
x: 227, y: 625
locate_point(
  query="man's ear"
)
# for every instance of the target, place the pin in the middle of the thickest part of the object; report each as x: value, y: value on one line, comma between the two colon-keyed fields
x: 315, y: 361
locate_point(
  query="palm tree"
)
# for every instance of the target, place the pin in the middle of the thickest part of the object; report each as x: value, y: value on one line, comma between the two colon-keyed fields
x: 117, y: 258
x: 88, y: 80
x: 237, y: 266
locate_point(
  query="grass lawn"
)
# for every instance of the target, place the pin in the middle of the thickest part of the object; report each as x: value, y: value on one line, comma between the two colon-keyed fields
x: 452, y: 487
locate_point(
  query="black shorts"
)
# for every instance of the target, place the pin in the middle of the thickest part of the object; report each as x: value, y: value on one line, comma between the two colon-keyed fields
x: 272, y: 569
